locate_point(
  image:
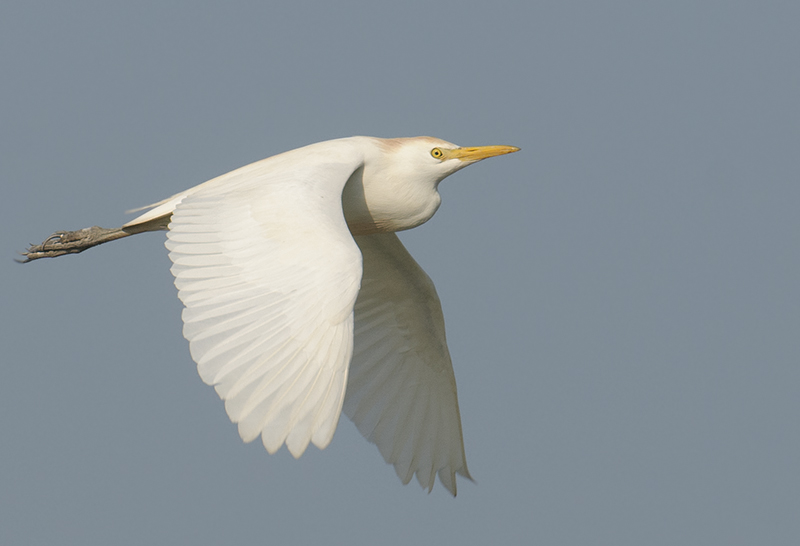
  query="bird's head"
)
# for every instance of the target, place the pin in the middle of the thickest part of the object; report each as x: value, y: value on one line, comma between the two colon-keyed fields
x: 433, y: 158
x: 397, y: 187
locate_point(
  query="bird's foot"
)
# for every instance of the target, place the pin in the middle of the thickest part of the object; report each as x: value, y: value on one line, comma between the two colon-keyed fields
x: 70, y: 242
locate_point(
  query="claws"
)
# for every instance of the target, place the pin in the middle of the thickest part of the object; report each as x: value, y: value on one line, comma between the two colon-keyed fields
x: 51, y: 247
x: 57, y: 235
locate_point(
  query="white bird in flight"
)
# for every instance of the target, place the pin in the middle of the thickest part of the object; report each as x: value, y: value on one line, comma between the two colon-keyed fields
x: 301, y: 302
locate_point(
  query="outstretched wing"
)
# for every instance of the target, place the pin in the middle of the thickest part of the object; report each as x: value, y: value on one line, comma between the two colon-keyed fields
x: 269, y: 273
x: 402, y: 391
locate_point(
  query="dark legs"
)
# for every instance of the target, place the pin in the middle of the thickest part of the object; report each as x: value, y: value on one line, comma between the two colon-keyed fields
x: 72, y: 242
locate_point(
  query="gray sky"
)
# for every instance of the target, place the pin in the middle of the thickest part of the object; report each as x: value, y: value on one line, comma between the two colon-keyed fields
x: 621, y: 297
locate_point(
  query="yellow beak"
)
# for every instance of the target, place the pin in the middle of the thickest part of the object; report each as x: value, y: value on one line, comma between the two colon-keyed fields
x: 478, y: 152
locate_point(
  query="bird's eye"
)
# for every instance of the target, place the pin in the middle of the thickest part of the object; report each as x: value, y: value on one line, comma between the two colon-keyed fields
x: 437, y: 153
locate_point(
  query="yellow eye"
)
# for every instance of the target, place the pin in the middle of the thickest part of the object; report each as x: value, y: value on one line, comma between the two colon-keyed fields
x: 437, y: 153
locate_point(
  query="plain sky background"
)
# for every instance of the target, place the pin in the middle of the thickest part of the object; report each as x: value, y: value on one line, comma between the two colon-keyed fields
x: 621, y: 297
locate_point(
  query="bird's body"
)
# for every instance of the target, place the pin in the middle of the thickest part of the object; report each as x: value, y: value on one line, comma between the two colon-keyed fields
x: 301, y: 300
x: 390, y: 206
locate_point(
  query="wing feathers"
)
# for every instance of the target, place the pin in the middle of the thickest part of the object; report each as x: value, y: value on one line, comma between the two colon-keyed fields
x: 401, y: 391
x: 268, y: 274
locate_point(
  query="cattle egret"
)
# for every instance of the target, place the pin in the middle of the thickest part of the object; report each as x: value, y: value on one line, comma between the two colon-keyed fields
x: 301, y: 302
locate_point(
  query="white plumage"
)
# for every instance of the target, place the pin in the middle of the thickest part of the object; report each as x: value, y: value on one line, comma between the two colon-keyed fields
x: 279, y: 307
x: 402, y: 391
